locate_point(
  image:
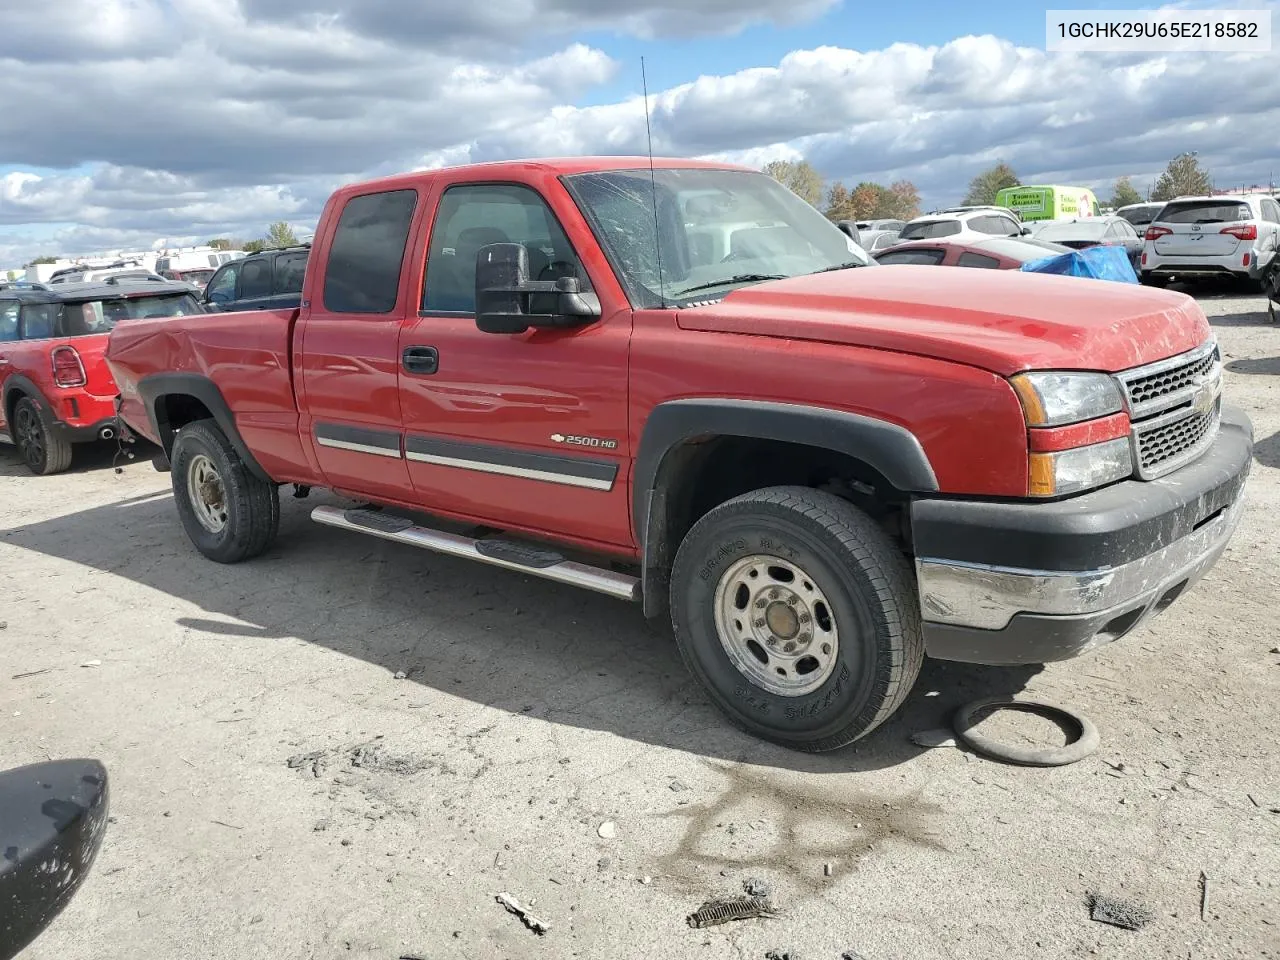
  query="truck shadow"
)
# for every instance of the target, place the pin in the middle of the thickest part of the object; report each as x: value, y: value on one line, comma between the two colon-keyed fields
x: 497, y: 638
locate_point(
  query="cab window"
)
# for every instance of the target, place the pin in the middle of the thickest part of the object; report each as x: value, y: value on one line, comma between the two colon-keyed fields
x: 255, y: 279
x: 475, y: 215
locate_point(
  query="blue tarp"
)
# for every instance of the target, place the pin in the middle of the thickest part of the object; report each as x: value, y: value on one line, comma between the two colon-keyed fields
x: 1100, y: 263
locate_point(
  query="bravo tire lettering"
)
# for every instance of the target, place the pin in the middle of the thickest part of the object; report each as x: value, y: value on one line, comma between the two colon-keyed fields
x: 596, y: 443
x: 820, y: 706
x: 725, y: 550
x: 748, y: 696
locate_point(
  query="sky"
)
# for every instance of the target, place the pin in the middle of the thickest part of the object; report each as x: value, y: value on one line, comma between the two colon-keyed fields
x: 133, y: 124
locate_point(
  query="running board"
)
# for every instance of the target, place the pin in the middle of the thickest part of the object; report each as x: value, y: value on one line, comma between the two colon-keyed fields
x: 509, y: 554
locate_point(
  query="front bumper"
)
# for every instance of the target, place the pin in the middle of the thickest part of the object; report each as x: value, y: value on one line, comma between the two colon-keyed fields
x: 1012, y: 583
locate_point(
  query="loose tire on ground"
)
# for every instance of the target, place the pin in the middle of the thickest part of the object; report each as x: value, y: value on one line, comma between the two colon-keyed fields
x: 229, y: 514
x: 43, y: 450
x: 839, y: 570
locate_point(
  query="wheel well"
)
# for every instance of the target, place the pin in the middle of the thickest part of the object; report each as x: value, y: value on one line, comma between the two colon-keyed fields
x: 700, y: 475
x: 11, y: 404
x: 174, y: 411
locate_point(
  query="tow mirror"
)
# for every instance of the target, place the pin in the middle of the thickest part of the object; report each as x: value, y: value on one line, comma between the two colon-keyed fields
x: 52, y: 819
x: 507, y: 301
x: 850, y: 230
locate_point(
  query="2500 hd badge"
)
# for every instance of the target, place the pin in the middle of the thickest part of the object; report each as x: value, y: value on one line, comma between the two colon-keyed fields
x: 598, y: 443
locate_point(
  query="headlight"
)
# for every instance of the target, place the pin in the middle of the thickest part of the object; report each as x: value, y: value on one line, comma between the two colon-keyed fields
x: 1056, y: 399
x: 1080, y: 468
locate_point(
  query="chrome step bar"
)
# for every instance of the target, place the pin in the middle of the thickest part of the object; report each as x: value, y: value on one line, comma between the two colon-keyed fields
x: 510, y: 555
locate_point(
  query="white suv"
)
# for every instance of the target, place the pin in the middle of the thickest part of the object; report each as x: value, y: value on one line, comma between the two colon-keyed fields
x: 961, y: 225
x: 1196, y: 237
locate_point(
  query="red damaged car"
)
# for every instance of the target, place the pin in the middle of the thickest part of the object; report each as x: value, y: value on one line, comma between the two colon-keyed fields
x: 54, y: 386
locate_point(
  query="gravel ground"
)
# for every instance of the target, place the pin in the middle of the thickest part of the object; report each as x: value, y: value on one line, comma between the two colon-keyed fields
x: 277, y: 792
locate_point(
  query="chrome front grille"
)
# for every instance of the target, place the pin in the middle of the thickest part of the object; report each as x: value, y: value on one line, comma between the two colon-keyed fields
x: 1175, y: 406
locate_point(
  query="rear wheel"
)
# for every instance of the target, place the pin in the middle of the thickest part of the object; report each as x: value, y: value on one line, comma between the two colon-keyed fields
x: 798, y: 614
x: 229, y: 513
x: 43, y: 450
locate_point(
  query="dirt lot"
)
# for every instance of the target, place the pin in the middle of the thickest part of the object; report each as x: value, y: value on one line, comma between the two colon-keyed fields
x: 278, y: 793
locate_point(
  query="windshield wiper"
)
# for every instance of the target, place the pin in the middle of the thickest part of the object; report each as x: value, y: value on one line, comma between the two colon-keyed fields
x: 740, y: 278
x: 848, y: 265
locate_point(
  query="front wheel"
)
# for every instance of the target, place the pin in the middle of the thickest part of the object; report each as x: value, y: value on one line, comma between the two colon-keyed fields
x: 42, y: 449
x: 798, y: 614
x: 229, y: 513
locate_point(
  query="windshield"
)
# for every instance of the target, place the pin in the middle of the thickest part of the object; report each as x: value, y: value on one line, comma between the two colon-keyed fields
x: 1066, y: 230
x: 195, y: 276
x: 1206, y: 211
x: 720, y: 229
x: 100, y: 316
x: 930, y: 230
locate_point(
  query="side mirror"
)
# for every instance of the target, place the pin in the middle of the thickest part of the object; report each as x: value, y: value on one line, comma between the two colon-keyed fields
x: 52, y: 819
x: 1026, y: 231
x: 507, y: 301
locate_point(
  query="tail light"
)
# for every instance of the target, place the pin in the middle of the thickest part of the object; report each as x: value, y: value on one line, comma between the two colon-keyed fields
x: 1247, y: 231
x: 68, y: 371
x: 1155, y: 233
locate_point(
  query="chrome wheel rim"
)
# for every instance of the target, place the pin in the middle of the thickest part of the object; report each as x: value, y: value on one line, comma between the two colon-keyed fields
x: 30, y: 437
x: 776, y: 625
x: 207, y: 494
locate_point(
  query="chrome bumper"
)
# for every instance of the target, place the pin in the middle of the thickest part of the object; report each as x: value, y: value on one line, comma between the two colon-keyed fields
x: 988, y: 598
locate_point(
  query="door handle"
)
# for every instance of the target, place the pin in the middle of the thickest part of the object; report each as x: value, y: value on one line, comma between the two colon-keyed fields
x: 420, y: 360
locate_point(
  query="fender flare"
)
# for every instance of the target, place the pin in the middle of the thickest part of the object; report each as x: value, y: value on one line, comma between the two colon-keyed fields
x: 889, y: 448
x: 199, y: 387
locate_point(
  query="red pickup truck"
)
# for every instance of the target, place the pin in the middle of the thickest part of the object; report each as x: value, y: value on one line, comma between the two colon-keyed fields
x: 683, y: 386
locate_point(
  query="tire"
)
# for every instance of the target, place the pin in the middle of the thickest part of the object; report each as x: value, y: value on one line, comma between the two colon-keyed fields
x: 42, y: 449
x: 845, y: 574
x: 241, y: 513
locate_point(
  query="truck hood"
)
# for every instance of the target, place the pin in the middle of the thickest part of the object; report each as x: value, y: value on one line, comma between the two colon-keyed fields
x: 1004, y: 321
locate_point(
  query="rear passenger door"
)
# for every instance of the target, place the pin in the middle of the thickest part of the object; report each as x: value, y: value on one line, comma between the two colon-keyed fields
x: 349, y: 362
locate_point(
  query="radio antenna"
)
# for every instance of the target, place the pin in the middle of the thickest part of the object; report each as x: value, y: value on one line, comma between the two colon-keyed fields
x: 653, y: 185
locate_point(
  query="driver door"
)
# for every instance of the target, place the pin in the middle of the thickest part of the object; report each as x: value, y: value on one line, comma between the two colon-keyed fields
x: 522, y: 430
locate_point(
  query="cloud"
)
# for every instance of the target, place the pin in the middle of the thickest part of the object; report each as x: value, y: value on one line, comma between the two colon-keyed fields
x: 205, y: 117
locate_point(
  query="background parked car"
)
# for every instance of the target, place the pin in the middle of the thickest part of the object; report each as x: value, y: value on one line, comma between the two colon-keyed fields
x: 197, y: 278
x: 1141, y: 214
x: 1205, y: 237
x: 873, y: 240
x: 965, y: 225
x: 82, y: 274
x: 1092, y: 232
x: 55, y: 388
x: 268, y: 280
x: 993, y: 253
x: 891, y: 226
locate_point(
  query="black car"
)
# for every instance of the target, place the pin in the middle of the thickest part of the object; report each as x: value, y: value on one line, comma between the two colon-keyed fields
x: 1093, y: 232
x: 268, y: 280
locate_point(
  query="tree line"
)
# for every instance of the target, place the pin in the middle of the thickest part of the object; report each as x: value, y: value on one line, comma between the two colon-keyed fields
x: 1183, y: 176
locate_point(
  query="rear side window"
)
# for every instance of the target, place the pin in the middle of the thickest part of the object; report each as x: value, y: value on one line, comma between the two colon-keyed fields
x: 1271, y: 211
x: 9, y: 320
x: 912, y: 256
x: 967, y: 259
x: 38, y: 320
x: 290, y: 269
x: 363, y: 272
x: 1206, y: 211
x: 255, y: 279
x: 930, y: 230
